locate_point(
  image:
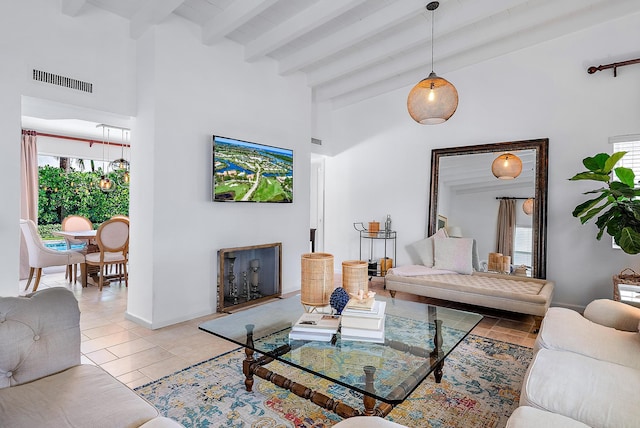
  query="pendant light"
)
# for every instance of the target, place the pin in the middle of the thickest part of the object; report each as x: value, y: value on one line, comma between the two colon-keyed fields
x: 433, y: 100
x: 506, y: 166
x: 527, y: 206
x: 120, y: 164
x: 105, y: 184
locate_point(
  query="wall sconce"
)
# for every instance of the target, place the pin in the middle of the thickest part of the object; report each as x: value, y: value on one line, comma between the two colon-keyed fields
x: 527, y: 206
x: 506, y: 166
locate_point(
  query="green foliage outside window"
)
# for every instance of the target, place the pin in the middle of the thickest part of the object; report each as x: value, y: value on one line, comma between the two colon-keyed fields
x: 76, y: 193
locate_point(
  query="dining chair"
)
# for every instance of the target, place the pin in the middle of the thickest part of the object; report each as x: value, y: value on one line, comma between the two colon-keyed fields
x: 113, y: 244
x: 74, y: 223
x: 40, y: 256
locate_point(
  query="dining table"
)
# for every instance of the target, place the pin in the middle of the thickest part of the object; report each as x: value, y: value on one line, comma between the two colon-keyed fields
x: 84, y: 235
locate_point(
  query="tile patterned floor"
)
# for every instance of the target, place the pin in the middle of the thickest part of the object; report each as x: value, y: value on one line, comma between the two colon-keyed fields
x: 137, y: 355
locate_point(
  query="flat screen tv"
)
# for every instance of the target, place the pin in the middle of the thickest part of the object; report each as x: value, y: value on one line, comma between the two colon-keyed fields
x: 251, y: 172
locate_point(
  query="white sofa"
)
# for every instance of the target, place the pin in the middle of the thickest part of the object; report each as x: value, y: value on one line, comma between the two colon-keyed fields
x: 585, y: 371
x: 42, y: 382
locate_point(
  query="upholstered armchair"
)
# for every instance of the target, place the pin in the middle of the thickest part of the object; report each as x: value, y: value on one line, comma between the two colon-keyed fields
x: 41, y: 256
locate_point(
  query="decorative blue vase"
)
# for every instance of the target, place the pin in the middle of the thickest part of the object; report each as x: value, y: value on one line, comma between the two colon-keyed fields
x: 339, y: 299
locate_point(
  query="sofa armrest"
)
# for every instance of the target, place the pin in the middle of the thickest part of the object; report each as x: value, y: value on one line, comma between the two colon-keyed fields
x: 39, y: 335
x: 613, y: 314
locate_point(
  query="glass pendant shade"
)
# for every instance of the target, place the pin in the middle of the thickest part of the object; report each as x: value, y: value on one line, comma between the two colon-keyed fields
x: 120, y: 164
x: 506, y: 166
x: 106, y: 184
x: 432, y: 101
x: 527, y: 206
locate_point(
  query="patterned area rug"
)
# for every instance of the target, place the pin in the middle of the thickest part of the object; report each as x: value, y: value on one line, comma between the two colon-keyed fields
x: 480, y: 388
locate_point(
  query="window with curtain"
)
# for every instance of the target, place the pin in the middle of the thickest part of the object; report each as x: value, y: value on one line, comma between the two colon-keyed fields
x: 523, y: 245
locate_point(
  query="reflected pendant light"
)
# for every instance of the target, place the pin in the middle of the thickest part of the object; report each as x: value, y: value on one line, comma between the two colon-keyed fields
x: 527, y: 206
x: 433, y: 100
x: 506, y: 166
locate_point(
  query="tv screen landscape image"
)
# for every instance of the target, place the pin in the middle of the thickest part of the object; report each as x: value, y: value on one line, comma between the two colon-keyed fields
x: 249, y: 172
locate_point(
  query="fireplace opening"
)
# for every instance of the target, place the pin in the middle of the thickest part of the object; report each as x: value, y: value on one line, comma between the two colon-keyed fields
x: 249, y: 275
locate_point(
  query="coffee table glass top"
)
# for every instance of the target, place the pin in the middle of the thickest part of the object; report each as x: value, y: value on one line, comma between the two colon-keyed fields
x: 406, y: 358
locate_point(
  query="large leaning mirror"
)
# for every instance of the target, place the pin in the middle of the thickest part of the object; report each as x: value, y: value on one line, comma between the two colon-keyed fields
x: 466, y: 195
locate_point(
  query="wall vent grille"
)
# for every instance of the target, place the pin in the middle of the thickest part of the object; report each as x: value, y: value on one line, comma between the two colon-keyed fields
x: 316, y: 141
x: 67, y: 82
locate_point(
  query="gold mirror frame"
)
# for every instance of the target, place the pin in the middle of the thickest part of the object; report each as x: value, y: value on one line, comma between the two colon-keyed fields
x: 541, y: 146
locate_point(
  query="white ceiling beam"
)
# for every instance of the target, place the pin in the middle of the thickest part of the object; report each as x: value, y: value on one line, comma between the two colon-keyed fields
x: 515, y: 29
x: 302, y: 23
x: 151, y: 13
x: 71, y: 7
x: 237, y: 14
x: 381, y: 20
x: 451, y: 20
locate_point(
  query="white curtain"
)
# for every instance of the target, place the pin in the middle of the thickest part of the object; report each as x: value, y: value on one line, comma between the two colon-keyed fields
x: 506, y: 227
x: 28, y: 191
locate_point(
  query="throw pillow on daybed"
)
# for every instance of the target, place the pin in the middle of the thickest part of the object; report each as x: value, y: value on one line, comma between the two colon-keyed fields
x: 453, y: 254
x: 421, y: 252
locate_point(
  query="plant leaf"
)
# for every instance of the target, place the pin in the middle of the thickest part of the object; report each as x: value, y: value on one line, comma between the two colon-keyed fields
x: 626, y: 176
x: 629, y: 241
x: 596, y: 163
x: 591, y: 176
x: 586, y: 206
x: 612, y: 161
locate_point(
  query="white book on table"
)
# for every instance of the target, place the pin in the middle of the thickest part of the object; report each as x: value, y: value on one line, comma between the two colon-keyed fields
x: 369, y: 323
x: 377, y: 310
x: 316, y: 323
x: 315, y: 336
x: 364, y: 335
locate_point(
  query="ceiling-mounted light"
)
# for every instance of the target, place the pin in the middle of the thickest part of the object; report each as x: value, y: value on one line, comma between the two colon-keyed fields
x: 527, y: 206
x: 506, y: 166
x: 433, y: 100
x: 120, y: 164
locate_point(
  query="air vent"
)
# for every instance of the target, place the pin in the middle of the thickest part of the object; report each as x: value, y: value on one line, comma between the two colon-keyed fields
x: 316, y: 141
x: 67, y: 82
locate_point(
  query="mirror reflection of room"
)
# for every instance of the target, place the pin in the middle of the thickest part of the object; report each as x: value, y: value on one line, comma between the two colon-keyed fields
x: 479, y: 205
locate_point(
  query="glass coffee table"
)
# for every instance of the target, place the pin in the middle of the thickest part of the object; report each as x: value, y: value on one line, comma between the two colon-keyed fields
x: 418, y: 338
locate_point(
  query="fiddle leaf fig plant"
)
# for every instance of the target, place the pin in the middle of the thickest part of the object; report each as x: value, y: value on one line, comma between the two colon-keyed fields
x: 616, y: 204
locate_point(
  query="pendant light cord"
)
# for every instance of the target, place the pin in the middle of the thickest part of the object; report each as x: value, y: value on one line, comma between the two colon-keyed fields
x: 432, y: 25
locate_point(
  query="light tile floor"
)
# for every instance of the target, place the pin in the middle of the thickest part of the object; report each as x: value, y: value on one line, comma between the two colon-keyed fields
x: 137, y: 355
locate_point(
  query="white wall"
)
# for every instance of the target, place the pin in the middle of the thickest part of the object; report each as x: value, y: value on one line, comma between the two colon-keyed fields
x: 185, y: 96
x: 384, y: 157
x: 34, y: 34
x: 179, y: 97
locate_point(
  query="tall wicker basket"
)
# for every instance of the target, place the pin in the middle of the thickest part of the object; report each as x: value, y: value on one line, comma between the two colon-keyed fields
x: 317, y: 280
x: 354, y: 276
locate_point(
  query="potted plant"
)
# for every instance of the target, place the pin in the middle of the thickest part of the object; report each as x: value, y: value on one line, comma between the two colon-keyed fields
x: 616, y: 205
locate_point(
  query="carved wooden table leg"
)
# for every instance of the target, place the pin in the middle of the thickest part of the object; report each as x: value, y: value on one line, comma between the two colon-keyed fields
x: 249, y: 360
x: 369, y: 402
x: 437, y: 353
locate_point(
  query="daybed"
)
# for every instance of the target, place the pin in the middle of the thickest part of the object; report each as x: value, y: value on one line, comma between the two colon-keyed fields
x: 585, y: 371
x: 43, y: 384
x: 448, y: 268
x: 505, y: 292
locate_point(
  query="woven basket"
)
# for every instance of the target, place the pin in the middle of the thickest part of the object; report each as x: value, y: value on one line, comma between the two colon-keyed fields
x: 317, y: 279
x: 354, y: 276
x: 626, y: 276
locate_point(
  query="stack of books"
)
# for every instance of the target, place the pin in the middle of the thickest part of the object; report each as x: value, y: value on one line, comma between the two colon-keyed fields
x: 363, y: 320
x: 314, y: 326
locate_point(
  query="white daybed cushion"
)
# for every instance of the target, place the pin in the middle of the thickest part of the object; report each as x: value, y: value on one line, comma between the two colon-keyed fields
x: 594, y: 392
x: 566, y: 330
x: 422, y: 251
x: 453, y: 254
